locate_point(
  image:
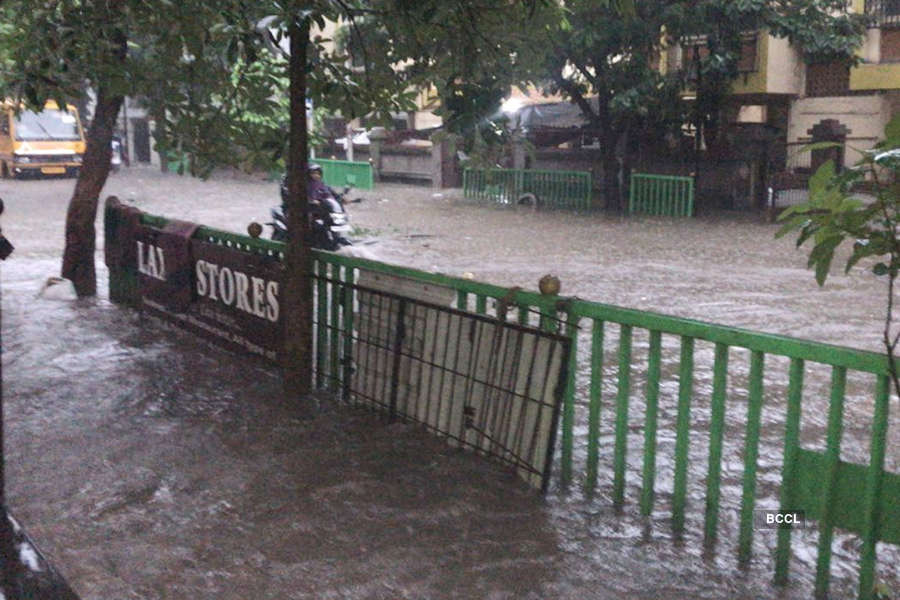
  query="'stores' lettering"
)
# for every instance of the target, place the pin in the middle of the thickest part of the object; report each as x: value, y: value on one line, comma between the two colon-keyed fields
x: 249, y: 294
x: 272, y: 301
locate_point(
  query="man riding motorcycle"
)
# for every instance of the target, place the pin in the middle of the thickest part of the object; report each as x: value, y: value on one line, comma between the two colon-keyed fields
x: 316, y: 189
x: 328, y: 220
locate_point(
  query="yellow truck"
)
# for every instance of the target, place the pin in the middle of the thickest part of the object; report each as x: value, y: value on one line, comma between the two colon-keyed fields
x: 50, y: 142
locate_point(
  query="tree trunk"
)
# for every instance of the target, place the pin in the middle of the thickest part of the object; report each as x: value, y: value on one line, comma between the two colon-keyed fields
x: 78, y: 258
x: 298, y: 290
x: 608, y: 142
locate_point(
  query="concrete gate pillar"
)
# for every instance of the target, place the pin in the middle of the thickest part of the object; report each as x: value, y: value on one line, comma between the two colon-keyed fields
x: 377, y: 138
x: 444, y: 166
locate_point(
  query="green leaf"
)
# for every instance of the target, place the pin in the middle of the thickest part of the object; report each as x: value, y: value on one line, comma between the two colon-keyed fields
x: 822, y: 255
x: 817, y: 146
x: 820, y: 181
x: 822, y: 267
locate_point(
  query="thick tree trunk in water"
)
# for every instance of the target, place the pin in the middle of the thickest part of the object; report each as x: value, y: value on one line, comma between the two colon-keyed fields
x: 610, y: 177
x: 78, y: 258
x: 298, y: 313
x: 608, y: 142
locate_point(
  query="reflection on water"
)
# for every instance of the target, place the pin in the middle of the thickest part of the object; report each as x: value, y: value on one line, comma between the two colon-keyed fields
x: 149, y: 464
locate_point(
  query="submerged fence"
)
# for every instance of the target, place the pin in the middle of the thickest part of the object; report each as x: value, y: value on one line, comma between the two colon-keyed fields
x: 662, y: 195
x: 658, y: 409
x: 556, y: 189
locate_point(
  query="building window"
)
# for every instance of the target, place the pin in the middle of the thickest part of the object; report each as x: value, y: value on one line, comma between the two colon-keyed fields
x: 752, y: 113
x: 693, y: 51
x: 695, y: 47
x: 827, y: 79
x: 747, y: 60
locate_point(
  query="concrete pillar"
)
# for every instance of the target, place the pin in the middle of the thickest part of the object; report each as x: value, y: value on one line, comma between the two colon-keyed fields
x: 444, y: 166
x: 871, y: 49
x: 518, y: 150
x: 348, y: 133
x: 377, y: 138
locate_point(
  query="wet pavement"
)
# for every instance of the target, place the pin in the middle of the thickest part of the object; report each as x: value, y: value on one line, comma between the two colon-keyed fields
x: 148, y: 464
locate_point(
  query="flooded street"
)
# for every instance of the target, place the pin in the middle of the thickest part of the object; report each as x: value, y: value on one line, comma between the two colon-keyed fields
x: 148, y: 464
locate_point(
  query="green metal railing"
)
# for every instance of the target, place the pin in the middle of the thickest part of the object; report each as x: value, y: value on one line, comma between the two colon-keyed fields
x: 663, y: 195
x: 864, y: 499
x: 753, y: 393
x: 339, y: 173
x: 557, y: 189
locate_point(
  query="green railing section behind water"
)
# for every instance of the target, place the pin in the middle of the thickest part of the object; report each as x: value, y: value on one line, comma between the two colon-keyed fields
x: 556, y: 189
x: 339, y: 173
x: 633, y: 381
x: 662, y: 195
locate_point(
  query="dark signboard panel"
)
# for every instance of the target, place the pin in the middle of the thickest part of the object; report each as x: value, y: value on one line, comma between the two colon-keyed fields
x: 233, y: 298
x: 239, y: 295
x: 163, y: 259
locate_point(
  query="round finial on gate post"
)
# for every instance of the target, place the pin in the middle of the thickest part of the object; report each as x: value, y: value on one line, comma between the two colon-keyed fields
x: 549, y: 285
x: 254, y: 229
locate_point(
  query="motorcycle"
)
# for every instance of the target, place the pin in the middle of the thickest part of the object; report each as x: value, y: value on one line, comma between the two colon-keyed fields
x: 329, y: 224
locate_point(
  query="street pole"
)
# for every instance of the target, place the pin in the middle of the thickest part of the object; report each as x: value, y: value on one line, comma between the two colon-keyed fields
x: 298, y: 293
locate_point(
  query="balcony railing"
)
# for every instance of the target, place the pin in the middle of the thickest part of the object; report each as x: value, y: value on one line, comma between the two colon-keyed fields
x: 886, y: 13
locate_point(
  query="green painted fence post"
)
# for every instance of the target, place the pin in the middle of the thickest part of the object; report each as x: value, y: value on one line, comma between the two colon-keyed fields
x: 872, y: 501
x: 335, y: 323
x: 650, y: 423
x: 621, y: 443
x: 789, y: 467
x: 832, y: 462
x: 321, y: 322
x: 683, y: 432
x: 751, y: 454
x: 716, y: 435
x: 590, y: 482
x: 348, y: 330
x: 480, y: 304
x: 568, y: 412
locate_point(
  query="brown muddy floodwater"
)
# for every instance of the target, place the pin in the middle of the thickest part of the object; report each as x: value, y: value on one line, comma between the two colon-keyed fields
x: 150, y: 465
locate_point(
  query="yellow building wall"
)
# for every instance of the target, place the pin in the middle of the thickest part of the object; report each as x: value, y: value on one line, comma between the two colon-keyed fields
x: 884, y: 76
x: 779, y: 69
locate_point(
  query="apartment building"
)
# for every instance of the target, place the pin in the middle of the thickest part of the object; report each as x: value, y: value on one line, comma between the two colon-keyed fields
x: 798, y: 103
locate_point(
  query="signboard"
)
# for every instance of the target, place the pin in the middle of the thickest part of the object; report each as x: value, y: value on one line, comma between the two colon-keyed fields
x: 227, y: 296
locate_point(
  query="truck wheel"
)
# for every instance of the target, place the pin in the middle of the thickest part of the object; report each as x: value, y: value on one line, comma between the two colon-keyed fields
x: 4, y: 170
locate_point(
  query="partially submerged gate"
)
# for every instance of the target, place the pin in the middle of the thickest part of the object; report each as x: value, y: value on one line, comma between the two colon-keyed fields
x: 484, y: 384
